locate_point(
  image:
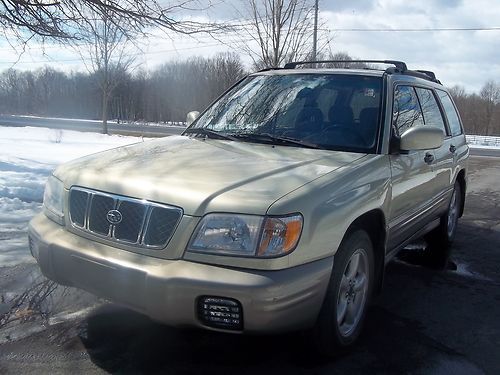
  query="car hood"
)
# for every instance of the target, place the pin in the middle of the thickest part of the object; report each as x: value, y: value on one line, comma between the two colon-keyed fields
x: 203, y: 175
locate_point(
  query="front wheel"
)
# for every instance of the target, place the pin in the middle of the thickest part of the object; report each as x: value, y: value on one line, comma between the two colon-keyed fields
x: 341, y: 317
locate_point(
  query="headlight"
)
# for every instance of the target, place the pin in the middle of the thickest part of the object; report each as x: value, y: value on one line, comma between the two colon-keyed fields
x: 53, y: 200
x: 227, y: 234
x: 246, y: 235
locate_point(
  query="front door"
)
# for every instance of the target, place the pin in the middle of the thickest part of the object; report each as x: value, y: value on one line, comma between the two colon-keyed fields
x: 413, y: 173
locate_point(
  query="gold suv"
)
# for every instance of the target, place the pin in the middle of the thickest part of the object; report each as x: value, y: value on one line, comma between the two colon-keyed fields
x: 276, y: 209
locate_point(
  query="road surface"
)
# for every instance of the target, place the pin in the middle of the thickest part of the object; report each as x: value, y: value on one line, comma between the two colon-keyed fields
x: 485, y: 152
x: 135, y: 129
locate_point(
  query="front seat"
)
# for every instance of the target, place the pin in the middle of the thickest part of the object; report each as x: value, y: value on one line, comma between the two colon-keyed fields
x: 368, y: 118
x: 341, y: 115
x: 310, y: 119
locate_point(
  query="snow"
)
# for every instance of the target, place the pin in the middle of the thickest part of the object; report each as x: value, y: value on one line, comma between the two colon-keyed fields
x: 27, y: 157
x: 482, y: 141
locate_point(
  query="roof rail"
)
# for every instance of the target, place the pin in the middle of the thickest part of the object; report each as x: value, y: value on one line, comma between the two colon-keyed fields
x: 268, y: 69
x: 430, y: 74
x: 400, y: 65
x: 427, y: 75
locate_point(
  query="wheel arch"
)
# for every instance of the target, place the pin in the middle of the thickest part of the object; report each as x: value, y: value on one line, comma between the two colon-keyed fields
x: 463, y: 186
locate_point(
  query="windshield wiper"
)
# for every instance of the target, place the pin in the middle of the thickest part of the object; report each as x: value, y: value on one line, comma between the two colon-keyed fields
x: 209, y: 133
x: 266, y: 137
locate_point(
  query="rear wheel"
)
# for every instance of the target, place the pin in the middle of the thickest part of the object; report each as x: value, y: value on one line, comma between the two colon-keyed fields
x: 441, y: 238
x: 342, y: 314
x: 451, y: 218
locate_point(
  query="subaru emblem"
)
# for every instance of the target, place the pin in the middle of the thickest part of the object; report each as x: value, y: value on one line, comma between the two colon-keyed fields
x: 114, y: 217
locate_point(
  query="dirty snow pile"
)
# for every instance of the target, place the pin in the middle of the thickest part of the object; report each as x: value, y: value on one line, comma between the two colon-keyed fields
x: 27, y: 158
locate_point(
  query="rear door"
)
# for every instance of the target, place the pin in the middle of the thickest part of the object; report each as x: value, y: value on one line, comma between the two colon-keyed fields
x: 457, y: 142
x: 443, y: 156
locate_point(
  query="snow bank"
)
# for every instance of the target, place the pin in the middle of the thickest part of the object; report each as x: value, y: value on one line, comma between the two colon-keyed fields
x: 482, y: 141
x: 27, y: 157
x: 167, y: 124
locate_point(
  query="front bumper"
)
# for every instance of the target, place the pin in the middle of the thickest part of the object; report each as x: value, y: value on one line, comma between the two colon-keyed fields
x: 168, y: 290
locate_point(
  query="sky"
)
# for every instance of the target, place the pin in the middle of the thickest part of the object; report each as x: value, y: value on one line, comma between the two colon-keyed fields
x: 458, y: 57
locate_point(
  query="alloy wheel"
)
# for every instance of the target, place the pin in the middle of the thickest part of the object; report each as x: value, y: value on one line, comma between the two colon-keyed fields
x: 353, y: 290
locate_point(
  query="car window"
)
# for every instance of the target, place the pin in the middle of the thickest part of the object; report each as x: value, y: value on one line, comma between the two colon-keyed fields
x: 451, y: 113
x: 318, y: 109
x: 430, y: 109
x: 362, y: 99
x: 406, y: 112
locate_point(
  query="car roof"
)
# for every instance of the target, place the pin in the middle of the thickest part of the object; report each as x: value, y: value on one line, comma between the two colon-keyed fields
x: 396, y: 76
x: 361, y: 72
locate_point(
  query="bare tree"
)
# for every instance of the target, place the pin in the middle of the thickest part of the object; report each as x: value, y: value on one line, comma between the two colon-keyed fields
x: 107, y: 25
x: 165, y: 93
x: 107, y: 48
x: 490, y: 93
x: 457, y: 92
x: 470, y: 108
x: 181, y: 86
x: 224, y: 69
x: 66, y: 19
x: 282, y: 30
x: 342, y: 61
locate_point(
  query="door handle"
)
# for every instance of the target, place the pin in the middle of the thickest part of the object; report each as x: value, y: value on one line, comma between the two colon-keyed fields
x: 453, y: 148
x: 429, y: 158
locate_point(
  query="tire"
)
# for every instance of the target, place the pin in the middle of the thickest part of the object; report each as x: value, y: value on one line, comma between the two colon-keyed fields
x: 341, y: 317
x: 440, y: 239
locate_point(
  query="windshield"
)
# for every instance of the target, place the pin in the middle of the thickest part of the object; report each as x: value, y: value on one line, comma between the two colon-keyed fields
x: 335, y: 112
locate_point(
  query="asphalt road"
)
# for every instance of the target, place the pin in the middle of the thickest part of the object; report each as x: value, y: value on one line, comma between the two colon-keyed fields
x: 90, y: 126
x: 485, y: 152
x: 426, y: 321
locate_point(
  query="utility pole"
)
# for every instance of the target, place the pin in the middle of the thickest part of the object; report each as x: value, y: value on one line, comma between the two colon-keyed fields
x: 315, y: 34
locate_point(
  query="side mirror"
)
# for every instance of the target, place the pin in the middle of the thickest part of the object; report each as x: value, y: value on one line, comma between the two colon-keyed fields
x: 191, y: 116
x: 421, y: 138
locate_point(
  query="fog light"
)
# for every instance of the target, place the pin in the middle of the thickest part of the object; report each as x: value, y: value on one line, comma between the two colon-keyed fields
x: 219, y: 312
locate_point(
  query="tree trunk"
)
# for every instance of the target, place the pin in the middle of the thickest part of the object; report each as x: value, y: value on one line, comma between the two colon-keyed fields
x: 104, y: 111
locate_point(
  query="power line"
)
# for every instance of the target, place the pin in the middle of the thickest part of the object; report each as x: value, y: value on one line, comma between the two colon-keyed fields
x: 47, y: 46
x: 420, y: 29
x: 131, y: 54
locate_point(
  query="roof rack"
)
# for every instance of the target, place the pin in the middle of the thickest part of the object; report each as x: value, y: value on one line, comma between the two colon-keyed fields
x: 430, y: 74
x: 399, y: 65
x: 267, y: 69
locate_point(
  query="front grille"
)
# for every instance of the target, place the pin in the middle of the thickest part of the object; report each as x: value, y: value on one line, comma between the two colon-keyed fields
x: 122, y: 219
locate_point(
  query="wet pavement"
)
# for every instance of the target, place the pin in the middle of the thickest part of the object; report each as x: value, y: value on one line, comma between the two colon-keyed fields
x: 426, y: 321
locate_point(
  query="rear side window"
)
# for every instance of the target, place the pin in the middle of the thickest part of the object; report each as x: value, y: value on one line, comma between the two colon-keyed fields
x: 430, y: 109
x: 451, y: 113
x: 406, y: 112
